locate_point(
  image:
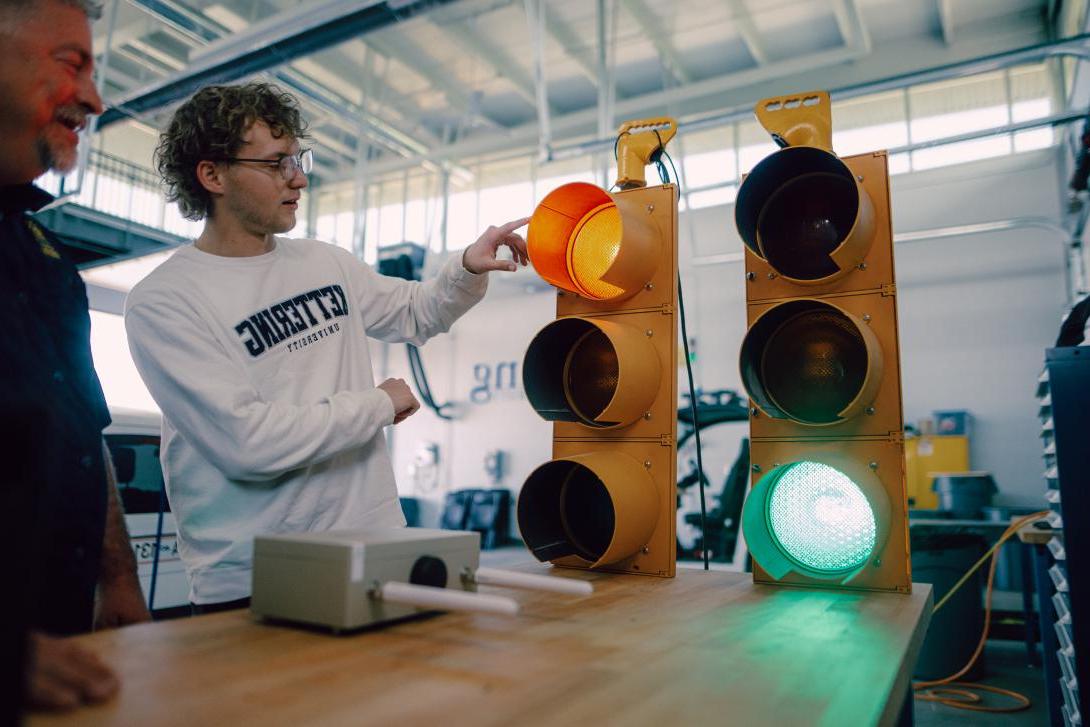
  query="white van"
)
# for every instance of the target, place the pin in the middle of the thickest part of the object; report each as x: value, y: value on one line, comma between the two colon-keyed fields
x: 133, y: 440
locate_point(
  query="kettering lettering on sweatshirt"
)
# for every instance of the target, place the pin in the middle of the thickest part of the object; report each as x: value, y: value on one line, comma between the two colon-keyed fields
x: 271, y: 419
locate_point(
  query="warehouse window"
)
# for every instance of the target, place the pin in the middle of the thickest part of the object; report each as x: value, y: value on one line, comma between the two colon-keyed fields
x: 554, y: 174
x: 1031, y: 91
x: 121, y: 383
x: 507, y: 193
x: 710, y: 197
x: 710, y: 162
x: 959, y: 106
x: 461, y: 219
x: 754, y: 144
x: 878, y: 121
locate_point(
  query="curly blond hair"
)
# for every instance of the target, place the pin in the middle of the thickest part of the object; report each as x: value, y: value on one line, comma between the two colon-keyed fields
x: 210, y: 126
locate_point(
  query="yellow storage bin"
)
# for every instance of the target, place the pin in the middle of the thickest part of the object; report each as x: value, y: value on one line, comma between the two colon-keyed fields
x: 929, y: 454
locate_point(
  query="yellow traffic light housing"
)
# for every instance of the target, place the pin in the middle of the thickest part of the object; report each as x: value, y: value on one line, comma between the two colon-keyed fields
x: 820, y: 360
x: 574, y: 372
x: 812, y: 362
x: 604, y: 371
x: 802, y: 209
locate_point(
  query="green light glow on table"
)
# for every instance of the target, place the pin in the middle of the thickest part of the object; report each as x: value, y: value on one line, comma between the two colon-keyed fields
x: 821, y: 518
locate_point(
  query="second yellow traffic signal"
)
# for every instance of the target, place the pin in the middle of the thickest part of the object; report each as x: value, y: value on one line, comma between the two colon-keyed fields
x: 820, y: 361
x: 603, y: 372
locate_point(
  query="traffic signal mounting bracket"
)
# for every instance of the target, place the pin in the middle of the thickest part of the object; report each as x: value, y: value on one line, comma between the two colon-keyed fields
x: 803, y: 119
x: 638, y: 144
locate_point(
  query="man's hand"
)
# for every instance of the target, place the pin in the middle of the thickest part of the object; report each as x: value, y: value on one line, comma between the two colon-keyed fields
x: 480, y: 257
x: 405, y: 404
x: 120, y: 603
x: 63, y: 675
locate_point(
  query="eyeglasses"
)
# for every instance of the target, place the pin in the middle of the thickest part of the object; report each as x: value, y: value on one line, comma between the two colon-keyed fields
x: 288, y: 164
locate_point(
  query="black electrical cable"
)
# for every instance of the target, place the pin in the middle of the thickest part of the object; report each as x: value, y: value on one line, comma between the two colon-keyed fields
x: 420, y: 379
x: 696, y: 423
x: 424, y: 385
x: 664, y: 176
x: 158, y: 543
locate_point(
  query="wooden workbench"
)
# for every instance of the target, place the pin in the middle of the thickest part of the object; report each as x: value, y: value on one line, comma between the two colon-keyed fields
x: 703, y: 648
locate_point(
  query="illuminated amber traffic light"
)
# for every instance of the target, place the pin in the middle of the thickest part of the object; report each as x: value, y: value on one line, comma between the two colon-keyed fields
x: 820, y: 360
x: 603, y: 371
x: 575, y: 242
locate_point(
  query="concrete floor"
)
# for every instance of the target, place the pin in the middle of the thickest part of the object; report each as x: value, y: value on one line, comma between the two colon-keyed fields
x: 1006, y: 667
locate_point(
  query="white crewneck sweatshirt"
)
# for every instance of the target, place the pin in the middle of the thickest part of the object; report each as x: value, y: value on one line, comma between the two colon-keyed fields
x: 271, y: 418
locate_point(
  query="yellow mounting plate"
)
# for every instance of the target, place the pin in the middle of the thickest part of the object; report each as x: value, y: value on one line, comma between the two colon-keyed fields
x: 801, y: 119
x: 636, y: 141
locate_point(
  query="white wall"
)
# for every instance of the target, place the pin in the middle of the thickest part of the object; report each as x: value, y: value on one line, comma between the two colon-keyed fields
x: 975, y: 314
x: 462, y: 367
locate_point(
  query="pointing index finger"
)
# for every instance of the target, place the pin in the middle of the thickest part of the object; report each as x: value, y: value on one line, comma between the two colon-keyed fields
x: 512, y: 226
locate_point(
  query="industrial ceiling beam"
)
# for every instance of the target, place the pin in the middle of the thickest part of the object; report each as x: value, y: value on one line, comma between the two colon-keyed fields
x: 849, y: 20
x: 395, y: 45
x: 164, y: 59
x: 200, y: 30
x: 584, y: 120
x: 376, y: 99
x: 607, y: 97
x: 651, y: 25
x: 466, y: 34
x: 946, y: 20
x: 183, y: 19
x: 747, y: 29
x: 572, y: 44
x: 270, y: 43
x: 525, y: 136
x: 337, y: 106
x: 535, y: 20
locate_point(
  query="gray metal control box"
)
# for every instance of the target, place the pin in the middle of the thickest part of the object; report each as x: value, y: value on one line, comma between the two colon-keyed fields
x: 325, y: 578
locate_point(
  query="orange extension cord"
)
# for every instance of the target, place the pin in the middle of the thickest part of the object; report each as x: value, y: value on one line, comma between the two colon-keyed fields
x: 957, y: 694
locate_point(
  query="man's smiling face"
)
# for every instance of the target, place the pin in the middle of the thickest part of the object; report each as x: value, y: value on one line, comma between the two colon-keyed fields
x: 45, y: 80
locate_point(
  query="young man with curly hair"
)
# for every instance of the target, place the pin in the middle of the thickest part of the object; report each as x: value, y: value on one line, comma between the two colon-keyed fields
x: 255, y: 346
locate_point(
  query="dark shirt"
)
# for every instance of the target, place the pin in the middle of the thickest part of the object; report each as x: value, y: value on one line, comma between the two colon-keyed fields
x: 1073, y: 330
x: 52, y: 395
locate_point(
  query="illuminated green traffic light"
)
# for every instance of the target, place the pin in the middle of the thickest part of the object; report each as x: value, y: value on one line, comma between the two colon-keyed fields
x: 821, y: 518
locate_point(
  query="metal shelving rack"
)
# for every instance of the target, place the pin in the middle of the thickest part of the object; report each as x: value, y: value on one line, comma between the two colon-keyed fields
x: 1063, y: 393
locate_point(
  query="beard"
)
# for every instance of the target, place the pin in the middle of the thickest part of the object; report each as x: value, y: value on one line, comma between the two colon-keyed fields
x: 262, y: 220
x: 56, y: 150
x: 56, y: 154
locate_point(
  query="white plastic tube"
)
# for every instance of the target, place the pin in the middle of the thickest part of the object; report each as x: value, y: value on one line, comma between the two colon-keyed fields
x: 514, y: 579
x: 445, y: 599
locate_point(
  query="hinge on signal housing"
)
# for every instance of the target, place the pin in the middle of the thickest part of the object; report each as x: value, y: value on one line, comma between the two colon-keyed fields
x: 667, y: 309
x: 889, y: 289
x: 666, y: 440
